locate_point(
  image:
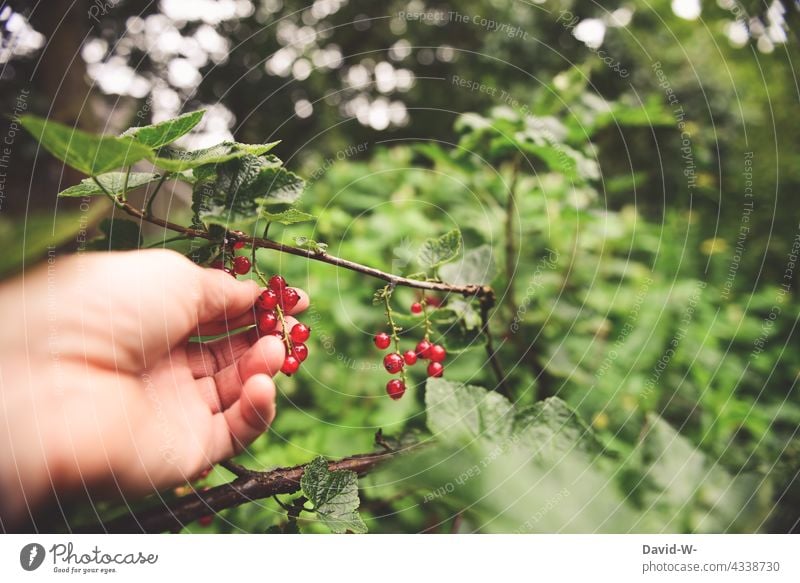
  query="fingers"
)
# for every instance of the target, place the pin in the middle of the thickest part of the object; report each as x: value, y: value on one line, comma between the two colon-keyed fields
x: 223, y: 368
x: 246, y: 319
x: 264, y: 357
x: 246, y: 419
x: 223, y: 298
x: 208, y: 358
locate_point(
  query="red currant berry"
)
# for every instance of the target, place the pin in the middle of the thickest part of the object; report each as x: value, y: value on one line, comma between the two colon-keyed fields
x: 300, y: 333
x: 416, y: 308
x: 290, y: 365
x: 382, y: 340
x: 423, y: 349
x: 238, y: 245
x: 267, y: 321
x: 435, y: 369
x: 277, y: 283
x: 410, y: 357
x: 437, y: 353
x: 300, y: 351
x: 241, y: 265
x: 393, y: 363
x: 395, y: 388
x: 267, y: 300
x: 289, y: 298
x: 205, y: 520
x: 217, y: 264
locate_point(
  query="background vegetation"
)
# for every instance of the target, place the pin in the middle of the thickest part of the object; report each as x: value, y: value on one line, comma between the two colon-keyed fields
x: 622, y: 174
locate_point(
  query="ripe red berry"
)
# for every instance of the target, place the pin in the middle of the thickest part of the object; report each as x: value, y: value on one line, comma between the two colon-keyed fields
x: 300, y: 333
x: 410, y: 357
x: 290, y: 365
x: 435, y: 369
x: 267, y: 300
x: 416, y: 308
x: 241, y: 265
x: 382, y: 340
x: 277, y: 283
x: 395, y: 388
x: 424, y: 349
x: 205, y: 520
x: 300, y: 351
x: 393, y: 363
x: 238, y: 245
x: 267, y: 320
x: 289, y: 298
x: 437, y: 353
x: 217, y: 264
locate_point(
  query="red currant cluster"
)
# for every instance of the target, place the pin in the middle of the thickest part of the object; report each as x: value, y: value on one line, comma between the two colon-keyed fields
x: 271, y: 305
x: 231, y: 263
x: 394, y: 362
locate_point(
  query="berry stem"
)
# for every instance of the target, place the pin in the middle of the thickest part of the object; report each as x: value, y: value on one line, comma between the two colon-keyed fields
x: 286, y: 340
x: 387, y: 296
x: 425, y: 316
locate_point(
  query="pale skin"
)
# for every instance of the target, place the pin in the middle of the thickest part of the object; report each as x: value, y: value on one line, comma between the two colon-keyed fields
x: 101, y: 390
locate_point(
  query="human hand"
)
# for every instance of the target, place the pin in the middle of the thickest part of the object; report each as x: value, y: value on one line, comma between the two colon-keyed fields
x: 101, y: 388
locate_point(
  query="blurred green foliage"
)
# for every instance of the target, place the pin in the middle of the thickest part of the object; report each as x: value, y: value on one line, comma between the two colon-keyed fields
x: 637, y: 290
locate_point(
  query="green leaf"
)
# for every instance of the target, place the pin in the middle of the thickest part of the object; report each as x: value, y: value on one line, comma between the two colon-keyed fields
x: 288, y: 217
x: 118, y: 235
x: 477, y: 266
x: 176, y: 160
x: 435, y: 252
x: 89, y: 153
x: 461, y: 413
x: 113, y: 182
x: 311, y: 245
x: 551, y: 426
x: 233, y: 193
x: 334, y: 496
x: 166, y: 132
x: 690, y: 489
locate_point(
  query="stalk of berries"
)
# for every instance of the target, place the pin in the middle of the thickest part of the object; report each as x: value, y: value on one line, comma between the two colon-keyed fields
x: 231, y: 263
x: 395, y: 362
x: 435, y: 353
x: 271, y: 307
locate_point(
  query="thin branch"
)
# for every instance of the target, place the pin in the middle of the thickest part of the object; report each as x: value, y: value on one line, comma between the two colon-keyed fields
x: 237, y: 470
x: 148, y: 204
x: 465, y: 290
x: 252, y: 486
x: 511, y: 240
x: 491, y: 353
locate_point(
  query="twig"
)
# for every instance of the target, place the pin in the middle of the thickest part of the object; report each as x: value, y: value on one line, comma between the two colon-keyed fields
x: 511, y: 240
x: 486, y: 306
x: 465, y: 290
x: 148, y: 204
x: 254, y: 485
x: 237, y: 469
